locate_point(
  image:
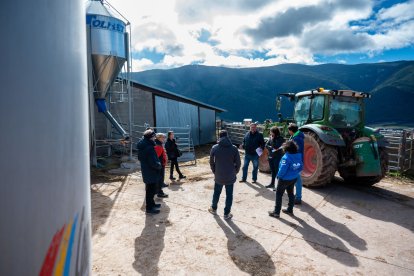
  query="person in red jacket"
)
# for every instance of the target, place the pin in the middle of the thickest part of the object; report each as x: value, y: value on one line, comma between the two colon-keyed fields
x: 162, y: 156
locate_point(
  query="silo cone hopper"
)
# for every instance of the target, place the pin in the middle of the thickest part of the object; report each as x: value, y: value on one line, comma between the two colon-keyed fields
x: 108, y: 48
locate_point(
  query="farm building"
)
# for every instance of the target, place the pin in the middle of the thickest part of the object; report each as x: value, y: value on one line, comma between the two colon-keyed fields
x: 161, y: 109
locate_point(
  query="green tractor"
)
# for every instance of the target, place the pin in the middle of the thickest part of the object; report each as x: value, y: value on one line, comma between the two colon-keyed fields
x: 336, y: 138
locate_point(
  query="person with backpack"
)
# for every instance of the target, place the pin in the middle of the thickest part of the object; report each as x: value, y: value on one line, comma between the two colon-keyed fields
x: 289, y: 171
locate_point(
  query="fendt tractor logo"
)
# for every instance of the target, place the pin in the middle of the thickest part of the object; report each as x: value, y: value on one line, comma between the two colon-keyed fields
x: 104, y: 22
x: 60, y: 256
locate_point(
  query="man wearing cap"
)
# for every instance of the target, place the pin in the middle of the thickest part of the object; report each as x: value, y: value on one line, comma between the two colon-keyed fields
x: 225, y: 164
x: 252, y: 141
x: 150, y: 169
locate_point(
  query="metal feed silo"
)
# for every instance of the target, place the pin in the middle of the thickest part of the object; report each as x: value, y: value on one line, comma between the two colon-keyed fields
x: 108, y: 44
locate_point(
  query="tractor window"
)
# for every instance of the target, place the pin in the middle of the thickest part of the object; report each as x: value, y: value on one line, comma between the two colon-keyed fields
x: 317, y: 108
x: 302, y: 108
x: 345, y: 112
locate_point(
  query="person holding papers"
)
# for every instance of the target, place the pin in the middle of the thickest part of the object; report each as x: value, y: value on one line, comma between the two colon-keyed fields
x: 253, y: 143
x: 275, y: 153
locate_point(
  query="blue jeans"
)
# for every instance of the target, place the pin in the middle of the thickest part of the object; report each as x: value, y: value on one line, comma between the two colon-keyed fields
x: 298, y: 187
x: 255, y: 160
x: 229, y: 197
x: 282, y: 186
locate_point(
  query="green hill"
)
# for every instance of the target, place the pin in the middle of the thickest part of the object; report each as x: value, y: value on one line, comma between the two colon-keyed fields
x: 251, y: 92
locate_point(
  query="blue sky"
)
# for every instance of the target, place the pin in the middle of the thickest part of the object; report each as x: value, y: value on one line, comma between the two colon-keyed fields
x: 253, y: 33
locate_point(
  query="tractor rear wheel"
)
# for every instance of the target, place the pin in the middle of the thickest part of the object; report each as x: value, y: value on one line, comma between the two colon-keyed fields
x: 349, y: 175
x: 320, y: 162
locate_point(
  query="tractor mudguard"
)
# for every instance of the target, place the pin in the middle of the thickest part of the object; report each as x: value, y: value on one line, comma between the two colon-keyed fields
x: 327, y: 134
x: 381, y: 141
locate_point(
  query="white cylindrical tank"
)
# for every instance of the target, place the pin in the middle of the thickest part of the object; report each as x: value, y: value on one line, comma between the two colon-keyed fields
x: 45, y: 208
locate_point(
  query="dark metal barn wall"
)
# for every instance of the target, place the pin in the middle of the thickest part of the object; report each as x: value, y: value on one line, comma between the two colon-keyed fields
x: 171, y: 113
x: 207, y: 125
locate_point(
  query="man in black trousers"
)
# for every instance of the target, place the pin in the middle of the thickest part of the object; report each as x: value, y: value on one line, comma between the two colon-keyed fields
x: 150, y: 169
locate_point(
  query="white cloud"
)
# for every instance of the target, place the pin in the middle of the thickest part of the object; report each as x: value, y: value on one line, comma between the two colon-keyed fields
x: 172, y: 28
x: 141, y: 64
x: 399, y: 12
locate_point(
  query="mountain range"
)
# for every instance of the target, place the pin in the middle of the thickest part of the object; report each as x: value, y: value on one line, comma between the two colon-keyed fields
x: 251, y: 92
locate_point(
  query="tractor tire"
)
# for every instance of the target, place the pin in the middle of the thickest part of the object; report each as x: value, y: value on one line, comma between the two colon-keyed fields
x: 320, y: 162
x: 349, y: 175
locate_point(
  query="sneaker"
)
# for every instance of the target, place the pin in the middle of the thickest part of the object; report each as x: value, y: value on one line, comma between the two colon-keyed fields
x: 162, y: 195
x: 270, y: 186
x: 152, y: 211
x: 157, y: 205
x: 182, y: 176
x: 242, y: 180
x: 228, y: 216
x: 286, y: 211
x: 213, y: 211
x: 172, y: 178
x: 273, y: 214
x: 298, y: 201
x: 164, y: 185
x: 254, y: 181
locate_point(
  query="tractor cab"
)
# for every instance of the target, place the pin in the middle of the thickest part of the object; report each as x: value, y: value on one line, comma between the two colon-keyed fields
x: 339, y: 109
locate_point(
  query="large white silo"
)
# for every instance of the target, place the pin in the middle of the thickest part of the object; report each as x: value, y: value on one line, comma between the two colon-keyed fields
x: 44, y: 169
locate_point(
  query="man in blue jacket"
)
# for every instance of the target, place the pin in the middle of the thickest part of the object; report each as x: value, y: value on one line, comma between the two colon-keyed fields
x: 289, y: 171
x: 225, y: 164
x: 299, y: 138
x: 150, y: 169
x: 252, y: 140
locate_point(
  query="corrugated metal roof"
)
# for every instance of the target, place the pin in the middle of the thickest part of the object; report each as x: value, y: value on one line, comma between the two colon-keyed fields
x: 174, y: 96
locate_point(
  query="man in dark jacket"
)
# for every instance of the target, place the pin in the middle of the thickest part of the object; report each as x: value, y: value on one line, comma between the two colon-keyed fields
x: 252, y: 141
x: 225, y: 164
x: 299, y: 138
x: 150, y: 169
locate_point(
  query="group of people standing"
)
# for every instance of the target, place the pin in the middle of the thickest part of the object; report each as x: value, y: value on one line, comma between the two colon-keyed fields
x: 285, y: 161
x: 153, y: 159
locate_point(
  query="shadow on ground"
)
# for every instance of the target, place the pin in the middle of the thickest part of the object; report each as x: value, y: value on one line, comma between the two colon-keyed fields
x: 373, y: 202
x: 103, y: 204
x: 245, y: 252
x: 262, y: 191
x: 150, y: 244
x: 322, y: 242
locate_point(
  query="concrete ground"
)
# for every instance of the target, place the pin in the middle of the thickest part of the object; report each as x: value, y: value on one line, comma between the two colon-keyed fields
x: 337, y: 230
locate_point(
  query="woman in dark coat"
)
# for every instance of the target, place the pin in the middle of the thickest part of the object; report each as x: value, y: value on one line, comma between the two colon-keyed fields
x: 275, y: 153
x: 173, y: 153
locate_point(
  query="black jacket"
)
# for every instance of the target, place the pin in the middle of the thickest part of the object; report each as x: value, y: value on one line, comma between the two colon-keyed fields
x: 252, y: 141
x: 224, y: 162
x: 273, y: 145
x: 172, y: 149
x: 150, y: 164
